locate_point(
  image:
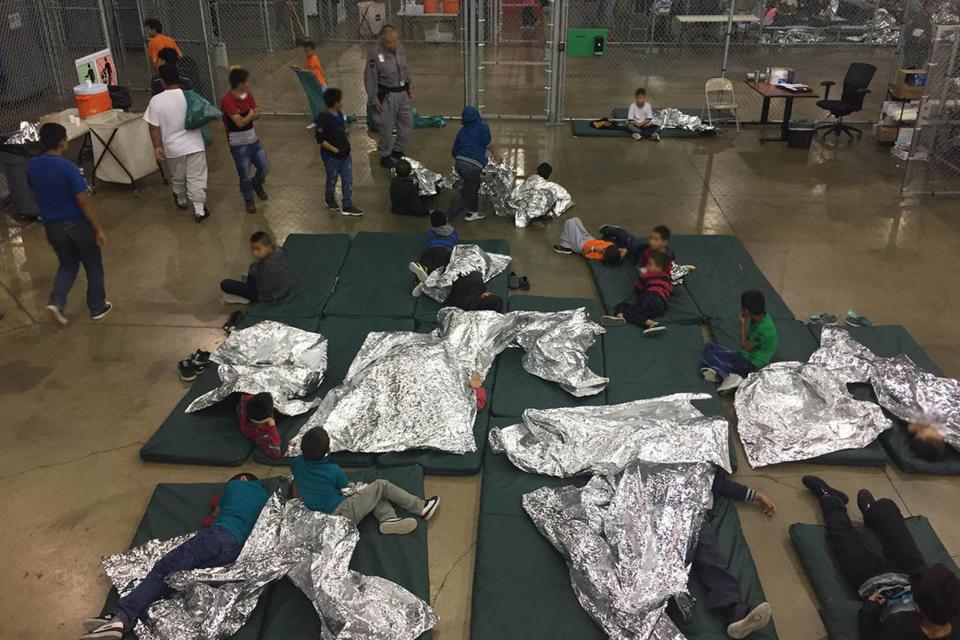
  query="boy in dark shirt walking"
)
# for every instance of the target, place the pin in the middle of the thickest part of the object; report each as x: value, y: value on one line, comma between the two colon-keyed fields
x: 268, y: 279
x: 331, y: 133
x: 653, y: 289
x: 405, y: 199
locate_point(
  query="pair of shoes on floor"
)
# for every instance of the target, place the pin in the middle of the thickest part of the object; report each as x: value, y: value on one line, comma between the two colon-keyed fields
x: 819, y: 488
x: 232, y: 322
x: 403, y: 526
x: 344, y: 211
x: 194, y: 365
x: 757, y: 619
x: 105, y: 627
x: 516, y: 281
x: 855, y: 320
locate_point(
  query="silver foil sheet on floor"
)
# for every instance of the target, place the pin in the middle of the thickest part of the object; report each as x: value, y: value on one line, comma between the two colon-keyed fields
x: 625, y: 539
x: 428, y: 182
x: 465, y: 258
x: 271, y: 357
x: 670, y: 118
x: 407, y: 390
x: 497, y: 182
x: 313, y: 549
x: 604, y: 440
x: 535, y: 198
x: 27, y: 132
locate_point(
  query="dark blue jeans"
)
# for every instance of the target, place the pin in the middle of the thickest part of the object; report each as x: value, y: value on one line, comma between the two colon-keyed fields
x: 709, y: 567
x: 75, y: 243
x: 246, y: 156
x: 725, y: 361
x: 210, y: 547
x: 469, y: 199
x: 339, y: 168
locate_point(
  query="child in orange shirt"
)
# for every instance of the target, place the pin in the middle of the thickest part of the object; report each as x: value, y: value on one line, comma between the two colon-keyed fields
x: 312, y: 62
x: 157, y: 41
x: 574, y: 238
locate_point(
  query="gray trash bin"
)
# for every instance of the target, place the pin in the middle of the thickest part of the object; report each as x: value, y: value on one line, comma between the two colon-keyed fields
x: 14, y: 158
x: 800, y: 134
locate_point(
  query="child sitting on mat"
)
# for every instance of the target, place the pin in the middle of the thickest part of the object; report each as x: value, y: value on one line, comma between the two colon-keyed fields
x: 234, y: 517
x: 258, y: 422
x: 638, y: 250
x: 640, y: 118
x: 758, y: 343
x: 268, y: 279
x: 653, y: 291
x: 319, y: 483
x: 574, y: 238
x: 405, y: 197
x: 441, y: 239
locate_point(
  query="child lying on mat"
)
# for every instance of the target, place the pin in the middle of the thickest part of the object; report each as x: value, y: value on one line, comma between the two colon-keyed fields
x: 574, y: 238
x: 258, y: 422
x: 219, y: 544
x: 758, y: 343
x: 926, y: 441
x: 268, y: 279
x: 441, y: 239
x: 653, y: 290
x: 903, y: 597
x: 405, y: 198
x: 638, y: 250
x: 470, y: 293
x: 640, y: 118
x: 319, y: 483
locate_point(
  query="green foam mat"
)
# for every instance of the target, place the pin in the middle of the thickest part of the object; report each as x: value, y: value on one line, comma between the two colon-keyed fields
x: 724, y: 270
x: 839, y: 603
x: 315, y: 261
x: 344, y: 337
x: 375, y: 280
x: 668, y: 360
x: 426, y: 308
x: 616, y: 285
x: 210, y: 436
x: 794, y: 340
x: 515, y: 389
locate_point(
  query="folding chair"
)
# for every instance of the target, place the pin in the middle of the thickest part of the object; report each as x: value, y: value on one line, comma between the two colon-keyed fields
x: 722, y: 90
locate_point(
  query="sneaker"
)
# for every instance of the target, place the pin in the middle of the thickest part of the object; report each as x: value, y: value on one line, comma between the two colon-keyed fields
x: 232, y: 322
x: 819, y: 487
x: 709, y: 374
x: 655, y: 137
x: 351, y: 211
x: 655, y: 330
x: 430, y: 508
x: 111, y: 629
x: 387, y: 162
x: 754, y: 621
x: 200, y: 360
x: 824, y: 319
x: 864, y: 500
x: 91, y: 624
x: 397, y: 155
x: 857, y: 320
x: 250, y: 206
x: 612, y: 321
x: 398, y: 526
x: 637, y: 137
x: 333, y: 206
x: 186, y: 371
x: 181, y: 204
x: 100, y: 315
x: 562, y: 250
x: 730, y: 384
x: 473, y: 215
x: 417, y: 269
x: 229, y: 298
x: 607, y: 229
x: 57, y: 313
x: 202, y: 217
x: 417, y: 290
x: 260, y: 192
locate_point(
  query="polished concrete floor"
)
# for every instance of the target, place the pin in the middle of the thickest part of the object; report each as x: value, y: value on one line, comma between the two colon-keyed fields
x: 827, y: 227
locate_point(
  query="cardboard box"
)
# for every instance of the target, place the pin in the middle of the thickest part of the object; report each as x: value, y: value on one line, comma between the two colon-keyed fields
x: 909, y: 83
x: 882, y: 133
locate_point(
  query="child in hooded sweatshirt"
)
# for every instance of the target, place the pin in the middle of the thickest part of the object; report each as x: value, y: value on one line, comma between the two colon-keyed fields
x: 470, y: 150
x: 441, y: 239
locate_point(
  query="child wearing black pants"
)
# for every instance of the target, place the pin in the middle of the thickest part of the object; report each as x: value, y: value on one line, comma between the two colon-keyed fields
x: 653, y: 290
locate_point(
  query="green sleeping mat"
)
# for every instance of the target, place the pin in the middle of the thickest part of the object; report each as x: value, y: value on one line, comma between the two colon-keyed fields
x: 426, y: 308
x: 616, y: 285
x: 670, y: 360
x: 521, y: 586
x: 839, y: 604
x: 724, y: 270
x: 375, y: 280
x: 315, y: 261
x: 344, y: 337
x: 515, y: 390
x: 582, y: 128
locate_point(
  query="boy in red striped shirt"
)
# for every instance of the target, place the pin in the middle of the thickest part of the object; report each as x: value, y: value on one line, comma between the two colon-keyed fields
x: 653, y: 290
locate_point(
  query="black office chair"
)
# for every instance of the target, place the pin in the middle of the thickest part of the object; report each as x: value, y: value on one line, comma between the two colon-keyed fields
x: 855, y: 84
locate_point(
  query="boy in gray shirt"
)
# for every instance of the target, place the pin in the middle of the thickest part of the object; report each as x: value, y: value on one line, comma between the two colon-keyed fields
x: 269, y: 277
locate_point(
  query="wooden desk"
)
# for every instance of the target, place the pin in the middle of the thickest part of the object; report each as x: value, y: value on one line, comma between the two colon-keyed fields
x: 772, y: 91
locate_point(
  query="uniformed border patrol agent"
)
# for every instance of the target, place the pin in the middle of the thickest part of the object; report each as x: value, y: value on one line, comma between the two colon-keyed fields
x: 388, y: 79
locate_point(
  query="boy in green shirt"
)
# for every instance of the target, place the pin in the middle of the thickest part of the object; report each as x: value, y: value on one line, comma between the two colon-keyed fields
x: 758, y: 343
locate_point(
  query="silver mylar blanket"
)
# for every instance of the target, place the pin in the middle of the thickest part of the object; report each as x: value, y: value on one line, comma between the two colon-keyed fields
x: 284, y: 361
x: 465, y: 258
x: 670, y: 118
x: 407, y: 390
x: 603, y: 440
x: 313, y: 549
x: 535, y: 198
x: 427, y: 181
x: 28, y: 132
x: 625, y: 539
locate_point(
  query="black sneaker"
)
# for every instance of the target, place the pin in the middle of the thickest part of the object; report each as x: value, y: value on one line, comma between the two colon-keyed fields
x: 865, y: 500
x: 606, y: 229
x: 183, y: 205
x: 351, y: 211
x: 562, y: 250
x: 387, y: 162
x: 186, y: 370
x: 200, y: 360
x: 430, y: 507
x: 260, y: 192
x: 250, y: 206
x: 819, y: 487
x: 202, y: 217
x: 397, y: 155
x: 100, y: 315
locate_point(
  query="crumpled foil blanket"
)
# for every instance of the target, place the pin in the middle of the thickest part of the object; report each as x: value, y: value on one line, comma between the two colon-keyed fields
x: 428, y: 182
x: 625, y: 539
x: 313, y: 549
x: 27, y: 132
x: 680, y: 271
x: 287, y: 362
x: 535, y: 198
x: 465, y: 258
x: 604, y: 440
x: 670, y: 118
x: 796, y: 35
x: 407, y: 390
x: 882, y: 28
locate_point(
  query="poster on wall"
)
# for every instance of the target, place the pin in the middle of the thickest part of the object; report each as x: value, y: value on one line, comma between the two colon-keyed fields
x: 97, y: 68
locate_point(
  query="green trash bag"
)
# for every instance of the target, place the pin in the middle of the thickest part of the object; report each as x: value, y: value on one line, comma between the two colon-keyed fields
x: 424, y: 122
x: 199, y: 111
x: 207, y: 137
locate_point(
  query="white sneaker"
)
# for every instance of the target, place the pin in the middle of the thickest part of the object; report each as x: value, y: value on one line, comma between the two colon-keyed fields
x: 473, y: 215
x: 710, y: 375
x: 417, y: 290
x: 417, y: 269
x: 637, y: 137
x: 730, y: 384
x: 654, y: 330
x: 92, y: 624
x: 398, y: 526
x: 112, y: 629
x: 612, y: 321
x: 229, y: 298
x: 430, y: 508
x: 754, y: 621
x: 57, y: 313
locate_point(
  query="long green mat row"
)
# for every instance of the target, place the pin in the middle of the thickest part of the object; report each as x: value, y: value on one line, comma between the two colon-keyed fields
x: 283, y: 612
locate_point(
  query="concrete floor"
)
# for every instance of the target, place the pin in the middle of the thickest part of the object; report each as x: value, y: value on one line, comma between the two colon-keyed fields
x: 826, y: 226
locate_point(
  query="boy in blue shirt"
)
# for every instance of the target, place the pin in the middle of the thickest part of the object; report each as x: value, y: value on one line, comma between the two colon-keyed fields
x: 441, y: 239
x: 319, y: 483
x: 469, y: 153
x: 331, y: 134
x: 215, y: 546
x: 72, y: 228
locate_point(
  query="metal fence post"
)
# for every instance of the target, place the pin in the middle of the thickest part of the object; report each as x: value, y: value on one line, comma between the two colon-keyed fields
x: 206, y: 49
x: 726, y: 44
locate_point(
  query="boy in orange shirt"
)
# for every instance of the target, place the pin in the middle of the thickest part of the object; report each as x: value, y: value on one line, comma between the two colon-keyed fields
x: 574, y: 238
x: 312, y: 63
x: 157, y: 41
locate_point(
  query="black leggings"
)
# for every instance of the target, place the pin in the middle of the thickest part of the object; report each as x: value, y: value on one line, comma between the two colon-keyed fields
x: 239, y: 288
x: 434, y: 258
